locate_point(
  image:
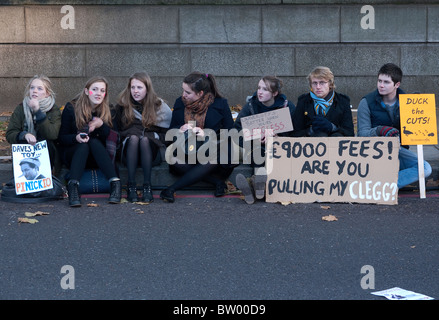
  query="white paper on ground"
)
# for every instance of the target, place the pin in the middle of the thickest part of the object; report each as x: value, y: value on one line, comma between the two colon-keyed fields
x: 401, y: 294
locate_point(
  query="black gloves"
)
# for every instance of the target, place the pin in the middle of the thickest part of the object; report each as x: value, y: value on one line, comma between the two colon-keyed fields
x: 320, y: 123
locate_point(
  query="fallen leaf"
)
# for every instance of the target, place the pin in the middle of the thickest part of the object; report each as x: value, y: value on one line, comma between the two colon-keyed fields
x: 142, y: 203
x: 27, y: 220
x: 38, y: 213
x: 230, y: 187
x: 285, y: 203
x: 329, y: 218
x: 138, y: 211
x: 325, y: 207
x: 92, y: 205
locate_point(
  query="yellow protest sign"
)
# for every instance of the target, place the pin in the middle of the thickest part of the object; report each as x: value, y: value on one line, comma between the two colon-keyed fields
x: 418, y: 119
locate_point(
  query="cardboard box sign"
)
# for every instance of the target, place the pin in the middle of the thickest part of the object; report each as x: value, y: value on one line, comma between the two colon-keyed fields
x: 278, y: 121
x: 354, y: 169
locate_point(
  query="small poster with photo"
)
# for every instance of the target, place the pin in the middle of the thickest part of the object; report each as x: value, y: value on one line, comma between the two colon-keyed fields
x: 32, y: 169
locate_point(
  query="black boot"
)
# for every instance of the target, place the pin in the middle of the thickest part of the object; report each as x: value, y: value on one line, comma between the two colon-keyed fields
x: 115, y: 191
x: 73, y: 190
x: 132, y: 192
x: 147, y: 193
x: 167, y: 195
x: 220, y: 189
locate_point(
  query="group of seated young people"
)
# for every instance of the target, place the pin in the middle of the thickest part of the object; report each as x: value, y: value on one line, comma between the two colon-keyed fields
x: 78, y: 136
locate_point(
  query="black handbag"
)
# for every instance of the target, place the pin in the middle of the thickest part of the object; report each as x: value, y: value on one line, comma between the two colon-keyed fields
x: 92, y: 181
x: 56, y: 193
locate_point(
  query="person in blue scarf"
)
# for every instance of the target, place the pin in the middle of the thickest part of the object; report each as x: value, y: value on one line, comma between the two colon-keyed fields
x: 268, y: 97
x: 323, y: 112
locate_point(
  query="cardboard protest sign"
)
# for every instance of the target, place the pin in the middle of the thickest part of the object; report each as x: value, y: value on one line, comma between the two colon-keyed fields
x: 418, y: 119
x: 32, y: 169
x: 336, y: 169
x: 278, y: 121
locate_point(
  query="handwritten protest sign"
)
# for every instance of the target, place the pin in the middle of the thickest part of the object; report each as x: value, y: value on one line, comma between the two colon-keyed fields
x: 336, y: 169
x: 278, y: 121
x: 32, y: 170
x: 418, y: 119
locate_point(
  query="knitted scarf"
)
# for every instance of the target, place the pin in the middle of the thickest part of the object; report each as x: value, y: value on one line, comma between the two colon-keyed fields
x: 321, y: 106
x: 197, y: 110
x: 46, y: 105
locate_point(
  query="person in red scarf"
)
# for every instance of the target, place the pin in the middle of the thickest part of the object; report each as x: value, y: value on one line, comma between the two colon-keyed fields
x: 200, y: 107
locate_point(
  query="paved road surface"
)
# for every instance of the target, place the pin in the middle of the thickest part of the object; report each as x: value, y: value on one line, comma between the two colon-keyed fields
x: 205, y: 248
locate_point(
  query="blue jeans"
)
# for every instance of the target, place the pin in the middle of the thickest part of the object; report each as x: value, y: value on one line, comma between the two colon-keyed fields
x: 408, y: 168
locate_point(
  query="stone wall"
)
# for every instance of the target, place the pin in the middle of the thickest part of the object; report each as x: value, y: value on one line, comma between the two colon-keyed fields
x: 237, y: 41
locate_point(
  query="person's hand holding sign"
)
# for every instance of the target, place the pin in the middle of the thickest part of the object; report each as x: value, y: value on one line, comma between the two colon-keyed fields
x: 266, y: 134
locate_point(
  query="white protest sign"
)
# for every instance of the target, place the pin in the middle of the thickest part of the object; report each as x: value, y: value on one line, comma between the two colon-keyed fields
x: 335, y: 169
x: 278, y: 121
x: 32, y: 169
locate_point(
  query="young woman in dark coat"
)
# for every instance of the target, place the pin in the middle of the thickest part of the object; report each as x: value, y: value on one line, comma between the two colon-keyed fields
x: 200, y: 107
x: 142, y: 119
x: 85, y: 127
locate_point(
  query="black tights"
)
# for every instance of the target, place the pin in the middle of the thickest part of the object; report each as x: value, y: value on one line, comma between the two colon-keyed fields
x: 79, y: 156
x: 147, y: 153
x: 193, y: 173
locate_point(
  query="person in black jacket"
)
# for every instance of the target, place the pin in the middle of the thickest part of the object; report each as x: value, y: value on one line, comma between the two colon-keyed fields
x: 201, y: 108
x: 85, y: 126
x: 142, y: 119
x: 268, y: 97
x: 323, y: 112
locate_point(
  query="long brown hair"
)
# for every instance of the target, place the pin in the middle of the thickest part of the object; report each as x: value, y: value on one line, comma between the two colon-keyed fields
x: 83, y: 107
x: 151, y: 103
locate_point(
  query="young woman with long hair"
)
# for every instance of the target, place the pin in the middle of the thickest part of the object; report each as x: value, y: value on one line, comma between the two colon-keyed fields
x: 142, y: 119
x: 85, y: 125
x: 37, y: 118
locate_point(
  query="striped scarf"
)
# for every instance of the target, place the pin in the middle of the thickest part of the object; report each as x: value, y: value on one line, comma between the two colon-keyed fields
x: 321, y: 106
x: 197, y: 110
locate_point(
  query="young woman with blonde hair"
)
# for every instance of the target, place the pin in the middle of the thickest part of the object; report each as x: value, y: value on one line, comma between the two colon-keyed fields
x: 37, y: 118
